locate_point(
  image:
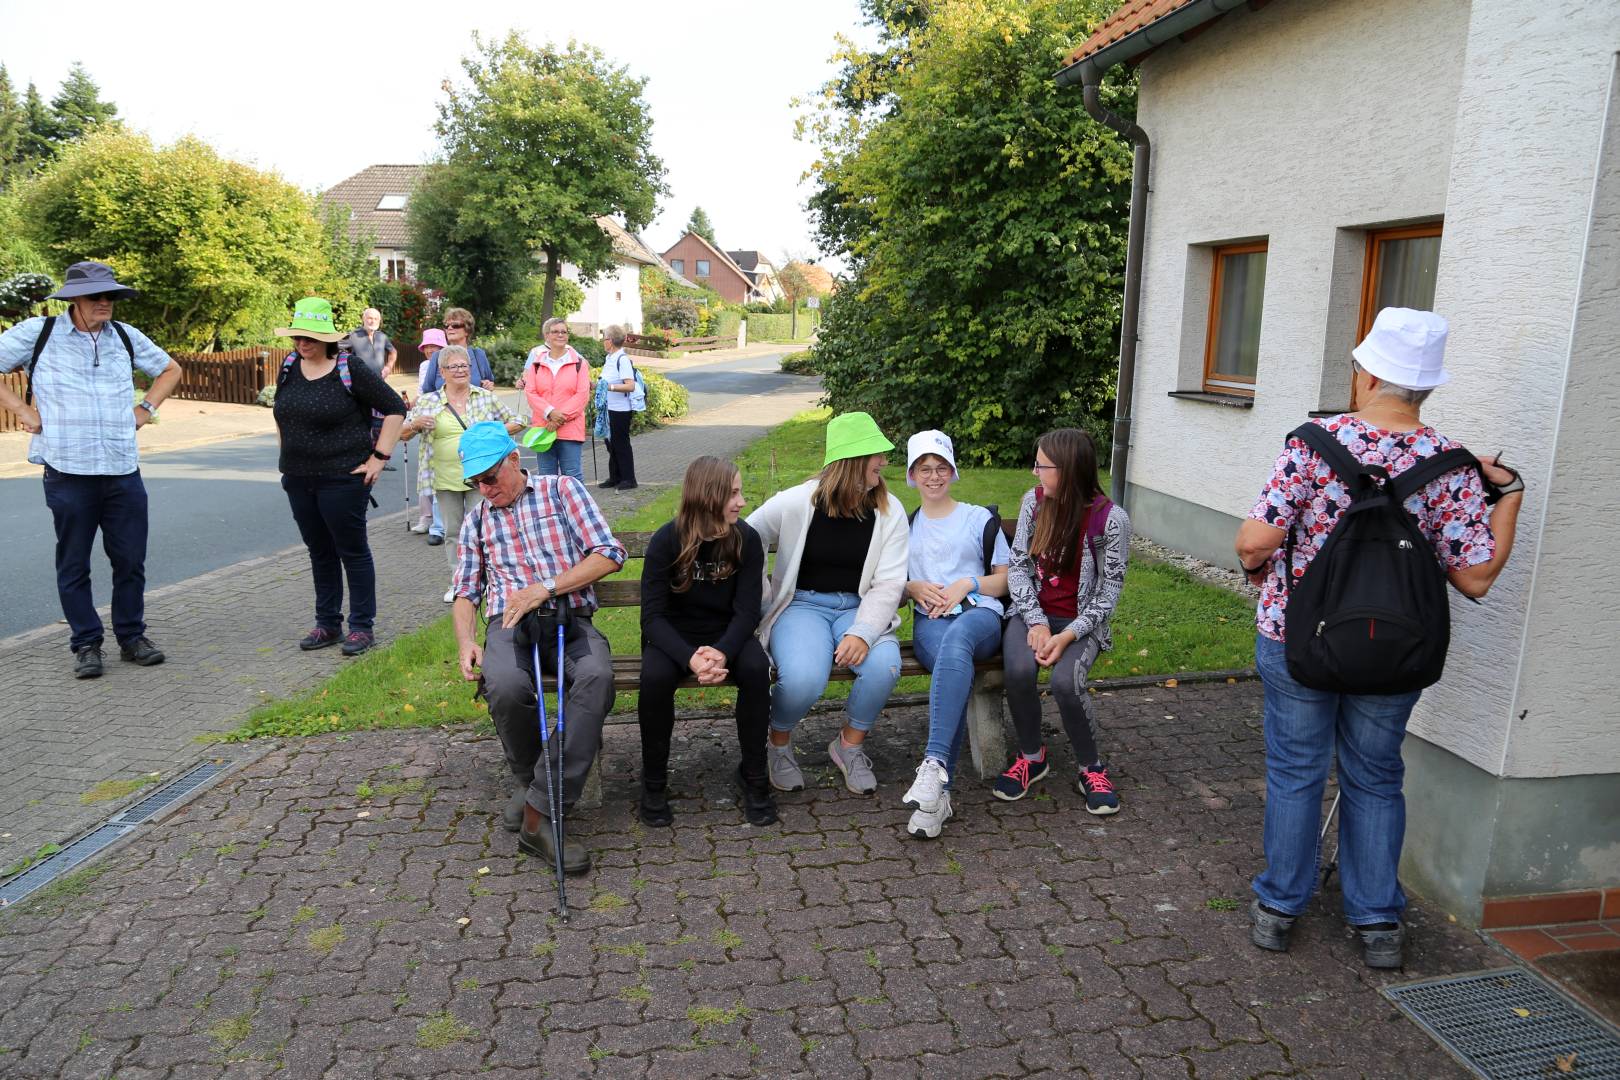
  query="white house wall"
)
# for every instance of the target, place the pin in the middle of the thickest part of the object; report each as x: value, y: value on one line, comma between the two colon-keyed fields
x: 615, y: 297
x: 1530, y: 277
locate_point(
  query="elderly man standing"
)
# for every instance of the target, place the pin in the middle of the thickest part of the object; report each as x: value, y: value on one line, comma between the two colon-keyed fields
x: 535, y: 540
x: 78, y: 410
x: 1464, y: 517
x: 371, y: 346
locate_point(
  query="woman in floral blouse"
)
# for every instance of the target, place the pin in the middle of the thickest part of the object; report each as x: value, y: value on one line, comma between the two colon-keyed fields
x: 442, y: 416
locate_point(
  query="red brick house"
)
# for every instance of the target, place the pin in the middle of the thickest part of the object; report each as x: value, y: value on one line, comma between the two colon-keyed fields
x: 695, y: 258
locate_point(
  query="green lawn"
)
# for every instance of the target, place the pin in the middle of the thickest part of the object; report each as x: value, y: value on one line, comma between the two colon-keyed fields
x: 1167, y: 622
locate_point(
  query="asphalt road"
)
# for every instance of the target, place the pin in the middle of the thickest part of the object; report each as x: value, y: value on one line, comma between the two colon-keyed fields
x: 216, y: 505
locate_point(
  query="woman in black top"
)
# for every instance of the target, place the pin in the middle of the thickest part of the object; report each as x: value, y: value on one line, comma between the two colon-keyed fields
x: 700, y: 602
x: 323, y: 418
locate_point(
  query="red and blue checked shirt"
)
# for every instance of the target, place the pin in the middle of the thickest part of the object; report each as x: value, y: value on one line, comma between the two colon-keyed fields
x: 551, y: 527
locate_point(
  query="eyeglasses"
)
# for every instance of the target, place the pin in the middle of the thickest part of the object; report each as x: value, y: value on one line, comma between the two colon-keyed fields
x: 558, y: 330
x: 1038, y: 467
x: 934, y: 470
x: 488, y: 479
x: 455, y: 326
x: 457, y: 367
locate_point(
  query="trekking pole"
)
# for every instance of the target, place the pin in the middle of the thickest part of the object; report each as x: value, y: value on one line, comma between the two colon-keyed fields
x: 545, y: 757
x: 1332, y: 863
x: 562, y: 745
x: 405, y: 471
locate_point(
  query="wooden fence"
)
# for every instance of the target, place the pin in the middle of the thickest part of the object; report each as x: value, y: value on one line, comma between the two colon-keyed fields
x: 643, y: 345
x: 233, y: 377
x: 16, y: 383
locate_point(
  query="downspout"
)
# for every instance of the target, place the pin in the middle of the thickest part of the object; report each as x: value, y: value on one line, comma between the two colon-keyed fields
x: 1090, y: 77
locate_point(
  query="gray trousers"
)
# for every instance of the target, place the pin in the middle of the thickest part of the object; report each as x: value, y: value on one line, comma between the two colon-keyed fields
x: 588, y: 695
x: 1068, y: 688
x: 454, y: 506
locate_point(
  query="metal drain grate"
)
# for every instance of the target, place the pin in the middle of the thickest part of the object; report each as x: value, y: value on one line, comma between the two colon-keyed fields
x: 1508, y: 1024
x: 49, y: 869
x: 169, y: 794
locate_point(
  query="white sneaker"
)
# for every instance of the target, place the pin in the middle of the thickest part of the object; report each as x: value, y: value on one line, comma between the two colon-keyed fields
x: 927, y: 824
x: 419, y: 528
x: 449, y: 596
x: 926, y: 789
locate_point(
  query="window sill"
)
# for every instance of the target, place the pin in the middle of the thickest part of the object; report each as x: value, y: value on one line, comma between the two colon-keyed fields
x: 1231, y: 401
x: 1318, y: 414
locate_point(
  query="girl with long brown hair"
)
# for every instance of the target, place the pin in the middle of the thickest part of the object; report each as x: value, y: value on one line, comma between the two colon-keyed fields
x: 700, y: 604
x: 841, y: 546
x: 1068, y: 566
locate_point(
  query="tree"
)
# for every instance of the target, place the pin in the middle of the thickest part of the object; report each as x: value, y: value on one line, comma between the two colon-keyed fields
x: 699, y: 223
x: 550, y: 140
x: 12, y: 122
x: 77, y: 107
x: 796, y: 285
x: 35, y: 142
x: 219, y: 251
x: 476, y: 264
x: 983, y: 215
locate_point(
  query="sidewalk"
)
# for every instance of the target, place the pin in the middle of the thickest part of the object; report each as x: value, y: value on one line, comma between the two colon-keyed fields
x: 283, y: 925
x: 231, y: 641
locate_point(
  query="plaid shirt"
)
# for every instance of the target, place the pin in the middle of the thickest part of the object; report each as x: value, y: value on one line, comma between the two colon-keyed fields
x: 481, y: 405
x: 84, y: 393
x: 551, y: 527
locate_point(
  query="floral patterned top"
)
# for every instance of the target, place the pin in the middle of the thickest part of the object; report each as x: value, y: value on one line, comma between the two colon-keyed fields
x: 1305, y: 494
x: 481, y: 405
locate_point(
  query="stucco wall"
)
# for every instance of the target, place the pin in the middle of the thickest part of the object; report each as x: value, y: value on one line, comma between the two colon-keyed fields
x: 612, y: 298
x: 1271, y: 125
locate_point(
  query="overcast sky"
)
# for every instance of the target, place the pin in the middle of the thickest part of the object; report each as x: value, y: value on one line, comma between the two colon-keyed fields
x: 318, y: 92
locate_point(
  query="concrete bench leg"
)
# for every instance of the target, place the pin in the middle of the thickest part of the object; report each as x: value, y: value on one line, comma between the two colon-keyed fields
x: 987, y: 736
x: 590, y: 797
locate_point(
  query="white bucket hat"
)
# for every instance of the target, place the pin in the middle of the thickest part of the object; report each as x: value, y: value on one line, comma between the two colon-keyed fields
x: 930, y: 442
x: 1406, y: 348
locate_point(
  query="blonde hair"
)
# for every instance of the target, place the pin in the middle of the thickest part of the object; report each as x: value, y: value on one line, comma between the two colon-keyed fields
x: 461, y: 314
x: 842, y: 491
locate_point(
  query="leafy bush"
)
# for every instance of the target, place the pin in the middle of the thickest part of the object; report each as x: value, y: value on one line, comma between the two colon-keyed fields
x: 406, y: 309
x: 725, y: 323
x: 672, y: 312
x: 801, y: 363
x: 588, y: 347
x: 521, y: 317
x: 21, y: 292
x: 267, y: 396
x: 778, y: 327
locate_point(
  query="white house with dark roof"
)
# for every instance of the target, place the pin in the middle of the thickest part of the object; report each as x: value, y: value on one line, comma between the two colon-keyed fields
x: 761, y: 272
x: 377, y: 196
x: 1303, y: 163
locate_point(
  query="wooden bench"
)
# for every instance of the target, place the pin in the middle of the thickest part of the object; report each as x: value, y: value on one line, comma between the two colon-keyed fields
x: 987, y: 740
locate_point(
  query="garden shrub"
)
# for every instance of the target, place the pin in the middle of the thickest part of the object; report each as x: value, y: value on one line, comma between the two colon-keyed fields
x: 801, y: 363
x: 778, y: 327
x: 666, y: 400
x: 507, y: 355
x: 673, y: 312
x: 725, y: 323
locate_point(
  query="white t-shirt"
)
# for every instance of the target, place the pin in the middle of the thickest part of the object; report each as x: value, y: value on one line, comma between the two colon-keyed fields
x: 946, y: 549
x: 617, y: 368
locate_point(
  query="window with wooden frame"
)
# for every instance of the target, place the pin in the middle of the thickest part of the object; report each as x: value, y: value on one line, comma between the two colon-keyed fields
x: 1400, y: 271
x: 1236, y: 297
x: 703, y: 268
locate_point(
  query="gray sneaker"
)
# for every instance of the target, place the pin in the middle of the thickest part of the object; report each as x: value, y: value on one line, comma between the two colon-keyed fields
x: 1381, y: 948
x: 1269, y: 931
x: 784, y: 771
x: 854, y: 764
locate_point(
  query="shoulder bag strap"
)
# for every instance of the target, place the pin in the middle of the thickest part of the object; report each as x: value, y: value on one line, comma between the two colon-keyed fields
x: 1332, y: 451
x: 129, y: 346
x: 1430, y: 469
x: 33, y: 361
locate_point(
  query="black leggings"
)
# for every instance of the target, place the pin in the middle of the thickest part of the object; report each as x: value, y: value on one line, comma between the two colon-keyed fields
x: 750, y: 670
x: 1068, y: 688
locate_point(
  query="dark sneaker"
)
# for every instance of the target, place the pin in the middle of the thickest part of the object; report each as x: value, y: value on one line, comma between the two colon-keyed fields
x: 141, y: 651
x: 540, y: 845
x: 87, y: 662
x: 628, y: 487
x: 512, y: 816
x: 1269, y: 929
x: 1101, y: 799
x: 608, y: 485
x: 759, y: 805
x: 653, y: 810
x: 1013, y: 784
x: 319, y: 638
x: 435, y: 539
x: 1383, y: 945
x: 357, y: 642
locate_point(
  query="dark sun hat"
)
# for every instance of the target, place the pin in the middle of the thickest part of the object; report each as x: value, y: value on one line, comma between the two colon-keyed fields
x: 90, y: 278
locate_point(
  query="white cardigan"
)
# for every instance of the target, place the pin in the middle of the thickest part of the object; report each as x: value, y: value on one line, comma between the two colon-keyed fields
x: 784, y: 520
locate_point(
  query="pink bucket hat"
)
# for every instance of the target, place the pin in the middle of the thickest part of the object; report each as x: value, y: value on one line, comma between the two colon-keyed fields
x: 434, y: 336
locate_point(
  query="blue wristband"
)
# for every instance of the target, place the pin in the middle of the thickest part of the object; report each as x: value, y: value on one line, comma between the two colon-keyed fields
x: 975, y: 590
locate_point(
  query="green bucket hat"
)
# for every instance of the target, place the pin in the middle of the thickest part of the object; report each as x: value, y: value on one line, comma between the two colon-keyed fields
x: 538, y: 439
x: 854, y: 434
x: 312, y: 318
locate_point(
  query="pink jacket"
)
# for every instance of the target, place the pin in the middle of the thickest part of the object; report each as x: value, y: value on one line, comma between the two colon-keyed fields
x: 568, y: 391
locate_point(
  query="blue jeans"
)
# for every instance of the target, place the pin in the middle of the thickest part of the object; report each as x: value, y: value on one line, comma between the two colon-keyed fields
x: 116, y: 506
x: 563, y: 459
x: 437, y: 528
x: 802, y: 645
x: 947, y: 647
x: 1303, y: 729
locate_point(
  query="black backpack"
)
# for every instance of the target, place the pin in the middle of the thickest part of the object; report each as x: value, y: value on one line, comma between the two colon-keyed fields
x: 991, y: 528
x: 45, y: 335
x: 1371, y: 614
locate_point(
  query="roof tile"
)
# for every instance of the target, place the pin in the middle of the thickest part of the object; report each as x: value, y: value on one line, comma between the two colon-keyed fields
x: 1130, y: 17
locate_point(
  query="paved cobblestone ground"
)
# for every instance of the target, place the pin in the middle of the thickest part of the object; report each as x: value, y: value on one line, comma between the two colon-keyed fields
x: 231, y: 639
x: 287, y: 924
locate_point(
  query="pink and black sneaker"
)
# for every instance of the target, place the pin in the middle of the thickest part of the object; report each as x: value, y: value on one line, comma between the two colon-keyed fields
x: 1101, y: 799
x: 1013, y: 784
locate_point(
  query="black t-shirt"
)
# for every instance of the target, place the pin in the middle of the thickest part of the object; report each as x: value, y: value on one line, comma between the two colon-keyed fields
x: 722, y: 613
x: 325, y: 429
x: 835, y: 552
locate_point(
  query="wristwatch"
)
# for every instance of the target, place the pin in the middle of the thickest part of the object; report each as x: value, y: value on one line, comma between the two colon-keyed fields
x: 151, y: 409
x: 550, y: 585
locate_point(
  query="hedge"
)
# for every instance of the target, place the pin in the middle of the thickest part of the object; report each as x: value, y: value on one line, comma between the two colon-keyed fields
x: 778, y: 327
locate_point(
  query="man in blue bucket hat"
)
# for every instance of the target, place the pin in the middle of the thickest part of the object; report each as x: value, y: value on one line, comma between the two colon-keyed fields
x: 79, y: 407
x: 536, y: 543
